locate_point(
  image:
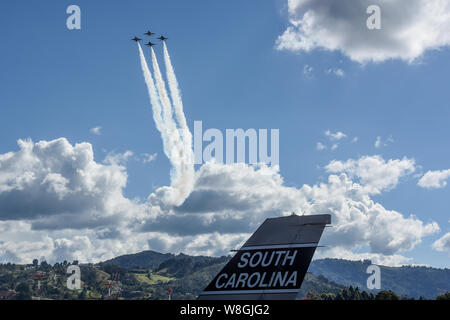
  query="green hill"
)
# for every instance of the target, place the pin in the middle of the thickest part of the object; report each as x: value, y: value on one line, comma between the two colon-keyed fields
x: 407, y: 281
x: 145, y: 260
x: 139, y: 278
x: 191, y: 284
x: 149, y: 275
x: 411, y: 281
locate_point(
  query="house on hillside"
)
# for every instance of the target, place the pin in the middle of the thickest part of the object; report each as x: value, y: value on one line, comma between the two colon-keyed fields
x: 7, y: 294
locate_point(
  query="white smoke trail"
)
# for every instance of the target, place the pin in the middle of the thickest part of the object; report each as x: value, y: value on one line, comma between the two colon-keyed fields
x: 162, y: 92
x: 181, y: 119
x: 176, y: 99
x: 154, y: 99
x: 180, y: 154
x: 170, y: 128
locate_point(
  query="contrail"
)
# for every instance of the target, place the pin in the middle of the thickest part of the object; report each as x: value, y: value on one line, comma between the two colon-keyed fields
x: 178, y: 152
x: 166, y: 135
x: 176, y: 147
x: 162, y: 92
x: 154, y: 99
x: 176, y: 99
x: 181, y: 119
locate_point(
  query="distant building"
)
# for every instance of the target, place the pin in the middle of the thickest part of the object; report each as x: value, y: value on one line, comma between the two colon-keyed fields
x: 7, y: 294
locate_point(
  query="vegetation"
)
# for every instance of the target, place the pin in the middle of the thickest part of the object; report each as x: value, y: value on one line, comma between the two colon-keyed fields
x: 406, y: 281
x: 351, y: 293
x: 445, y: 296
x: 151, y: 274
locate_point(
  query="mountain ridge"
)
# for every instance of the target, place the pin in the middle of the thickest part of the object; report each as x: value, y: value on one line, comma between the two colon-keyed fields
x: 408, y: 281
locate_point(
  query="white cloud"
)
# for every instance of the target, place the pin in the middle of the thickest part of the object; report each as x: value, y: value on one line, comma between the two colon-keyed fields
x: 443, y: 244
x: 59, y: 181
x: 379, y: 142
x: 320, y: 146
x: 97, y: 130
x: 335, y: 136
x: 57, y: 202
x: 307, y: 70
x: 117, y: 159
x: 337, y: 72
x: 335, y: 139
x: 434, y: 179
x: 236, y: 198
x: 359, y: 221
x: 147, y: 158
x: 408, y: 29
x: 374, y: 173
x: 394, y: 260
x: 227, y: 199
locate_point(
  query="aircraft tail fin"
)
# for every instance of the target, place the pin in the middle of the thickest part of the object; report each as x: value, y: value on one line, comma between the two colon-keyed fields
x: 273, y: 262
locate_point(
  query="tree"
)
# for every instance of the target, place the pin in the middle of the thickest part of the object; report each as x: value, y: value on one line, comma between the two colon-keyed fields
x: 312, y: 294
x: 356, y: 294
x: 387, y: 295
x: 82, y: 295
x: 367, y: 296
x: 23, y: 291
x: 327, y: 296
x: 45, y: 266
x: 445, y: 296
x: 347, y: 293
x: 352, y: 293
x: 340, y: 296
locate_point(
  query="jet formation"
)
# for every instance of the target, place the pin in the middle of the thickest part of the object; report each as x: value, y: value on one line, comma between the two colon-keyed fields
x: 149, y: 34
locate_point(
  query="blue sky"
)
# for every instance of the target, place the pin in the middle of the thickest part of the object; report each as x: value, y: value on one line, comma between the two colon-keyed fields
x: 57, y: 83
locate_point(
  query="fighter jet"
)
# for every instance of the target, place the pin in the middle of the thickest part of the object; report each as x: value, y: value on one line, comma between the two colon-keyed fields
x: 149, y: 33
x: 162, y: 38
x: 136, y: 39
x: 150, y: 44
